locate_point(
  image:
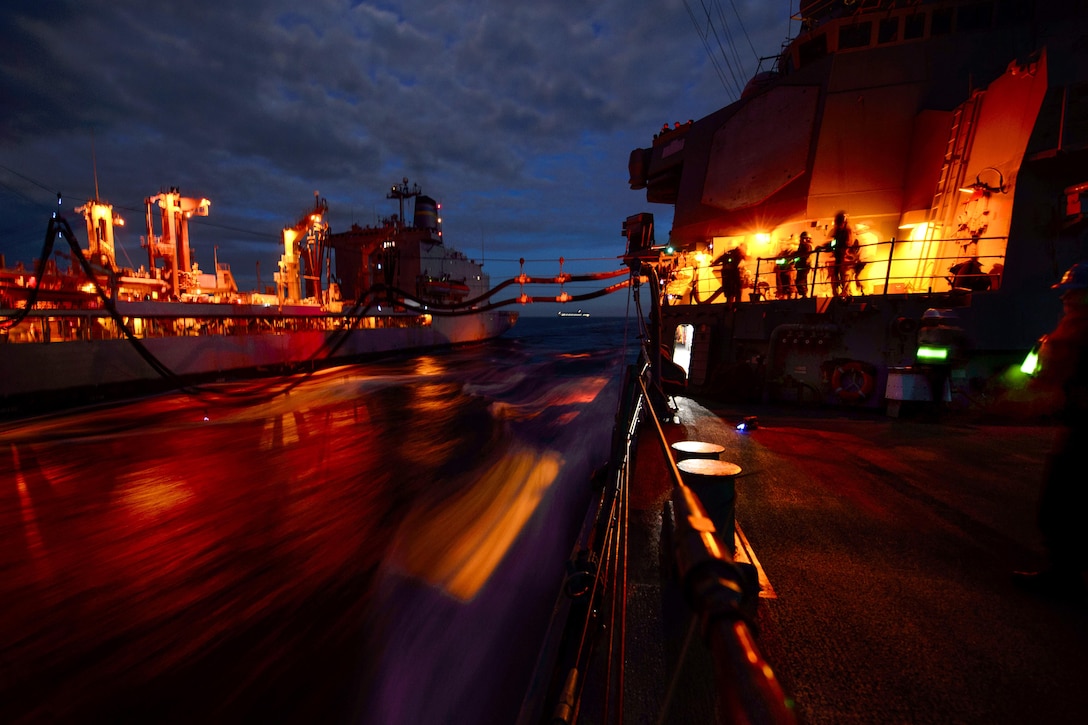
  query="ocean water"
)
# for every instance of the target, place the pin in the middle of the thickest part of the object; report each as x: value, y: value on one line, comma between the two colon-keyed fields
x: 378, y: 543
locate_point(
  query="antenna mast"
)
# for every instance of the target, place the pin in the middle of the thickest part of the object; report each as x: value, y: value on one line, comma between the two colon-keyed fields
x: 402, y: 192
x: 94, y: 166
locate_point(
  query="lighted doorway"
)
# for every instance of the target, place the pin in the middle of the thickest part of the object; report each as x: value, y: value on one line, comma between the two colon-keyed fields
x: 681, y: 350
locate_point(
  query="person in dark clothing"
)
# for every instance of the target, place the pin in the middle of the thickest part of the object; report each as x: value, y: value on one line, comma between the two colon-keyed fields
x: 730, y: 262
x: 1062, y: 385
x: 942, y: 346
x: 802, y: 264
x: 837, y: 243
x: 969, y: 275
x: 783, y: 275
x: 854, y: 265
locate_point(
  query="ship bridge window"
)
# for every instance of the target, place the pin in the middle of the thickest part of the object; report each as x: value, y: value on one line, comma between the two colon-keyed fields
x: 813, y: 50
x: 914, y: 26
x: 888, y: 31
x: 855, y: 36
x: 941, y: 24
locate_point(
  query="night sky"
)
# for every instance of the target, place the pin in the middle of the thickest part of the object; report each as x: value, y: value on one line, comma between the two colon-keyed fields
x: 517, y: 117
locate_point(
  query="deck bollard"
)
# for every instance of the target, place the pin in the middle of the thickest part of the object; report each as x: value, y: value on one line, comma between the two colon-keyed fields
x: 683, y: 450
x: 714, y: 482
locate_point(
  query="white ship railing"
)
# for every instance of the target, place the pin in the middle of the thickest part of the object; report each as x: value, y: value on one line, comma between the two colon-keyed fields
x: 879, y: 275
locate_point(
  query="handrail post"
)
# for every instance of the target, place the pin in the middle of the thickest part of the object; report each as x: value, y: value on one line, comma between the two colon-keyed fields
x: 888, y: 271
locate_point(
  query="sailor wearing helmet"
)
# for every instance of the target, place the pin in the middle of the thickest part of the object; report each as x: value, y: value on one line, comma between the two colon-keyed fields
x: 1063, y: 379
x: 942, y: 346
x: 837, y: 242
x: 801, y: 264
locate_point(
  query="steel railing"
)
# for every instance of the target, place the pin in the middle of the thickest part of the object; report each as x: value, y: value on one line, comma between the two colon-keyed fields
x: 746, y: 687
x: 591, y: 665
x: 762, y: 282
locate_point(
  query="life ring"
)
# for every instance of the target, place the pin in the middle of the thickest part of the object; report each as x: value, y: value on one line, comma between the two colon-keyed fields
x: 852, y: 381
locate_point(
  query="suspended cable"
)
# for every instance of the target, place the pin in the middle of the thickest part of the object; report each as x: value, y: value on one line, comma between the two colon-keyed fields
x: 26, y: 178
x: 743, y: 30
x: 18, y: 193
x: 331, y: 344
x: 124, y: 208
x: 733, y: 45
x: 737, y: 85
x: 706, y: 46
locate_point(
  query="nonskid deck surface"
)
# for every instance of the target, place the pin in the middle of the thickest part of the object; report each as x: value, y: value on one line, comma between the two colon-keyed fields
x: 885, y: 547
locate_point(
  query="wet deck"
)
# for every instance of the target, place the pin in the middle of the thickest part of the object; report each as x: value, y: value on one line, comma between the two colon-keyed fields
x: 887, y: 546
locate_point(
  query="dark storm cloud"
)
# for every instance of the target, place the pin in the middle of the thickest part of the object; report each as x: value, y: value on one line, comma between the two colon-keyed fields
x: 519, y: 117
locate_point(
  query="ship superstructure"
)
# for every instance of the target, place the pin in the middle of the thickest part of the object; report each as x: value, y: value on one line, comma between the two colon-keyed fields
x: 954, y: 137
x: 407, y: 256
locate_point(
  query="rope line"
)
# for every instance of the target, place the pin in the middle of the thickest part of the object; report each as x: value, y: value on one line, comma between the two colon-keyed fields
x: 403, y: 301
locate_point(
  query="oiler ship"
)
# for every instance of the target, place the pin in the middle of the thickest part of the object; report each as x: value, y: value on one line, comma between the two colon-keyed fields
x: 95, y: 330
x: 953, y: 135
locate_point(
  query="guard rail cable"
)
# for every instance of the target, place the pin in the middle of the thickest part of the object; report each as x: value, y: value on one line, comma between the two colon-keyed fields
x: 594, y: 600
x: 366, y: 300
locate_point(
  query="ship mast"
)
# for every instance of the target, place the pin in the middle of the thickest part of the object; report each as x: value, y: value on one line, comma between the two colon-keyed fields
x: 402, y: 192
x: 173, y: 245
x: 101, y: 221
x: 304, y: 246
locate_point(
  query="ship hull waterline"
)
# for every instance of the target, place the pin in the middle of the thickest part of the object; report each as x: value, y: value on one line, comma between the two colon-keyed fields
x: 44, y: 375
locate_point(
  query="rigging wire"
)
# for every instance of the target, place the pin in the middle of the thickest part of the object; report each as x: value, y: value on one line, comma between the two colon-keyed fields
x: 17, y: 193
x: 727, y: 61
x: 733, y: 72
x: 551, y: 259
x: 59, y: 225
x: 26, y: 178
x: 607, y: 548
x: 743, y: 30
x: 206, y: 222
x: 733, y: 57
x: 706, y: 46
x: 122, y: 207
x: 39, y: 267
x: 374, y: 296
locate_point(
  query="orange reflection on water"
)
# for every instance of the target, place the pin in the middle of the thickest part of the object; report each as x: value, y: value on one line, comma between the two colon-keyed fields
x: 567, y: 418
x: 30, y: 521
x: 427, y: 366
x: 147, y: 497
x: 578, y: 392
x: 573, y: 392
x: 457, y: 543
